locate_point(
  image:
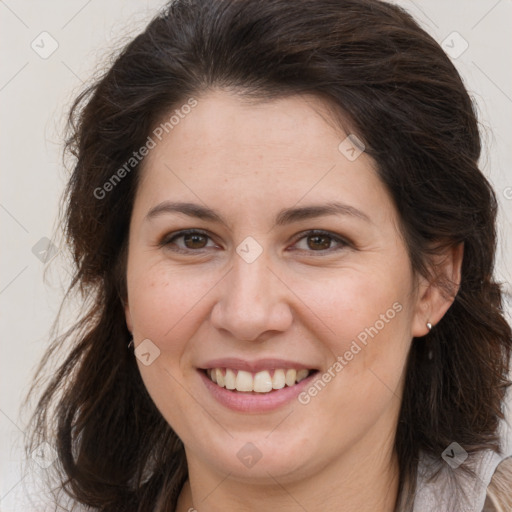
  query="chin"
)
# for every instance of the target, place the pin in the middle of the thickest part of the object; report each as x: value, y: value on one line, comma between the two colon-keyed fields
x: 259, y: 457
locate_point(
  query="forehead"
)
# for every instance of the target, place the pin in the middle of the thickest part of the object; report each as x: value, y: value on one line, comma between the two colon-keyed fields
x: 275, y: 151
x: 226, y: 126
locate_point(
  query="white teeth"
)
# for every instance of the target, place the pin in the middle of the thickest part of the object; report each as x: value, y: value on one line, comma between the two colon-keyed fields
x: 279, y: 379
x: 230, y: 379
x: 219, y: 377
x: 302, y: 374
x: 260, y: 382
x: 291, y: 376
x: 244, y: 381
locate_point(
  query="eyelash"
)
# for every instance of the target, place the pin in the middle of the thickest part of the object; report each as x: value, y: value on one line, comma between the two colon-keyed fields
x: 168, y: 240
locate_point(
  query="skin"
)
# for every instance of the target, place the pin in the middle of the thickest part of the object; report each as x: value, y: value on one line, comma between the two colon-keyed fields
x: 301, y: 299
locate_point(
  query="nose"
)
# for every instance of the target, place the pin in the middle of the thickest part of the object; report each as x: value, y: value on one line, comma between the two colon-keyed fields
x: 253, y: 304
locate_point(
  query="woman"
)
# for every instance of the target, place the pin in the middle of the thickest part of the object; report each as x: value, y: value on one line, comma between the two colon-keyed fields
x: 278, y: 218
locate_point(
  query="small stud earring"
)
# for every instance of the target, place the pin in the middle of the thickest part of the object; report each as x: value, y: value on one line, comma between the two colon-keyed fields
x: 430, y: 355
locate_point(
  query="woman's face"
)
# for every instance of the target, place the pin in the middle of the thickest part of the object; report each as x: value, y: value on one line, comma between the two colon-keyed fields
x: 257, y: 291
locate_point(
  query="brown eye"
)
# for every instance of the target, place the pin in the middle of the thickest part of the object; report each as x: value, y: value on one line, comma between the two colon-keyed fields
x: 186, y: 241
x: 194, y: 241
x: 320, y: 241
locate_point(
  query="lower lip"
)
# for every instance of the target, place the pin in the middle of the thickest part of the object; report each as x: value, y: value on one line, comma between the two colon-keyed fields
x: 255, y: 402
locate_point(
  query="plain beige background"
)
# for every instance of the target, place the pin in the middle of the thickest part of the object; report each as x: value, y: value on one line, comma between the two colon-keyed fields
x: 49, y: 50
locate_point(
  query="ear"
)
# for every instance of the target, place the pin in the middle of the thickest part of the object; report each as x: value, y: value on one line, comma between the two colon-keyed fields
x: 436, y: 295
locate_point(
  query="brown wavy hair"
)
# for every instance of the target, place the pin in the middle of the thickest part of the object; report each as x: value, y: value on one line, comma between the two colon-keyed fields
x: 401, y: 95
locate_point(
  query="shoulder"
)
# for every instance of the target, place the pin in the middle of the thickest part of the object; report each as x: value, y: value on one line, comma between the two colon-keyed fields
x: 499, y: 491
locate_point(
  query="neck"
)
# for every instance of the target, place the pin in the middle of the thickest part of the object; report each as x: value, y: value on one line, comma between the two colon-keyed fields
x: 348, y: 485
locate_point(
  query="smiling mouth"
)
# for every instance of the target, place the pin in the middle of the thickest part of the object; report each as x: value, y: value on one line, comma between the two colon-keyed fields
x: 265, y: 381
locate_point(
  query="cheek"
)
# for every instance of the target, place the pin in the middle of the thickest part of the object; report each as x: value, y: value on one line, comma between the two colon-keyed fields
x: 358, y: 302
x: 368, y: 315
x: 164, y: 306
x: 368, y: 321
x: 162, y: 301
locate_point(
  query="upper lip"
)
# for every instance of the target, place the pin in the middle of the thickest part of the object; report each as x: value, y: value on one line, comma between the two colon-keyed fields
x: 254, y: 366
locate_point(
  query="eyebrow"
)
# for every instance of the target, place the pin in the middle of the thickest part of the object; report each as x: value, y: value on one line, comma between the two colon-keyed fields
x: 284, y: 217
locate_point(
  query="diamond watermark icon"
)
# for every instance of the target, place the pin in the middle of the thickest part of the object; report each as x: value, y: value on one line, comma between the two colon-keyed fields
x: 44, y: 45
x: 454, y: 455
x: 44, y: 455
x: 249, y: 250
x: 351, y: 147
x: 454, y: 45
x: 44, y: 250
x: 146, y: 352
x: 249, y: 455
